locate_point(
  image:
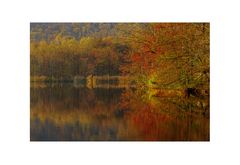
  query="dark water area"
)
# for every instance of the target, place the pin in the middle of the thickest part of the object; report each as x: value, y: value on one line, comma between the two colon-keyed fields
x: 66, y: 113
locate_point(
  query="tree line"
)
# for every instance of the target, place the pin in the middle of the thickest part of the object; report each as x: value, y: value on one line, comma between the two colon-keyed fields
x: 158, y: 55
x: 66, y: 57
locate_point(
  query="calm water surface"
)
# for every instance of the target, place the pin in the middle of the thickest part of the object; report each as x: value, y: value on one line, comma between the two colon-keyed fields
x: 67, y: 113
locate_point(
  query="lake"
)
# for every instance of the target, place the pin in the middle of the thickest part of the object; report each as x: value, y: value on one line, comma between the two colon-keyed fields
x: 64, y: 112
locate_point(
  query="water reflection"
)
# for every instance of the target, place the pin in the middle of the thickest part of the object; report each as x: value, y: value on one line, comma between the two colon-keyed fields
x: 63, y: 112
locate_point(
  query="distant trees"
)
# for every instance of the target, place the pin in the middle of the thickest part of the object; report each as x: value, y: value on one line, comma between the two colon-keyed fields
x: 48, y: 31
x: 65, y: 57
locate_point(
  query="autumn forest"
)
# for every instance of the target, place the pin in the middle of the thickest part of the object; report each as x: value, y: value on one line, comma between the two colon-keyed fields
x: 120, y: 81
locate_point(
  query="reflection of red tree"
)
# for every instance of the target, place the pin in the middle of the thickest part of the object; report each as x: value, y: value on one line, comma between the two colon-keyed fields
x: 151, y: 125
x: 149, y: 122
x: 126, y: 98
x: 161, y: 119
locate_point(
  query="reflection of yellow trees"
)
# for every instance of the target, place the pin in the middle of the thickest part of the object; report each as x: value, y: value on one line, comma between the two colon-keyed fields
x: 171, y: 101
x: 102, y: 115
x: 84, y: 114
x: 133, y: 117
